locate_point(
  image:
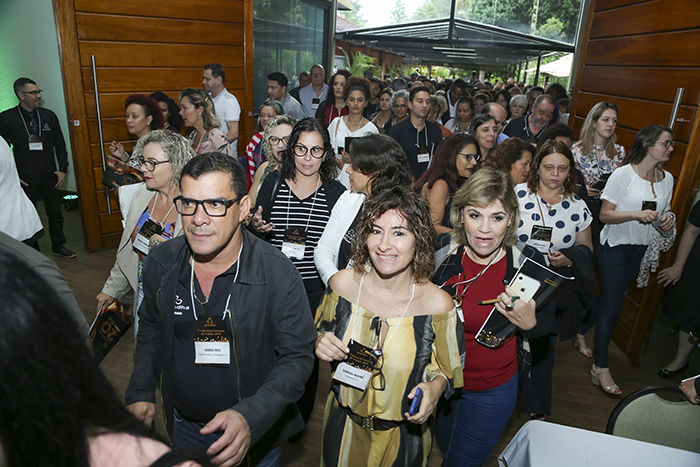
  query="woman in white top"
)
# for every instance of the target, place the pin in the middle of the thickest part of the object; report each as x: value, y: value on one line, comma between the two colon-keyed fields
x: 465, y: 111
x: 636, y: 195
x: 377, y: 163
x: 356, y: 94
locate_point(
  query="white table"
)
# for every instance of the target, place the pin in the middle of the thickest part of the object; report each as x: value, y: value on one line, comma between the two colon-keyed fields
x: 541, y: 444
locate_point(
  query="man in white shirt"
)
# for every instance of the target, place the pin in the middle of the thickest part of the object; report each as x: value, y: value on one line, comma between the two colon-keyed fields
x: 315, y: 93
x: 277, y: 90
x: 226, y: 105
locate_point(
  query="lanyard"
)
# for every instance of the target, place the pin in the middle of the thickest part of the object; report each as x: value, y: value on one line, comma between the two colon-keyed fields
x: 313, y: 203
x: 235, y: 277
x: 38, y: 116
x: 425, y: 127
x: 166, y: 214
x: 471, y: 281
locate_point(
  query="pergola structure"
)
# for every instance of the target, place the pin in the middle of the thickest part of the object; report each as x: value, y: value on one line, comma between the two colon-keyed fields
x: 456, y: 42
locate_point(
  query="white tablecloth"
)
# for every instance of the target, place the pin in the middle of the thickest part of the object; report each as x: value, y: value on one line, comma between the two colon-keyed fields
x: 541, y: 444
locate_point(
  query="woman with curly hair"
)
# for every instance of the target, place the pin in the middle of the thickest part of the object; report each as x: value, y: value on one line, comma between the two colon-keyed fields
x: 254, y: 154
x: 385, y: 312
x: 513, y: 156
x: 142, y: 114
x: 197, y: 111
x: 274, y: 142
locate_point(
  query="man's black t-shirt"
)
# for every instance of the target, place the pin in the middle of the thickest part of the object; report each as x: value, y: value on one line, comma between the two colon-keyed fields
x: 416, y: 142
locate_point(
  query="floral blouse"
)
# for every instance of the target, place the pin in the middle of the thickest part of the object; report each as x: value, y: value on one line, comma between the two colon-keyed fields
x: 214, y: 141
x: 593, y: 170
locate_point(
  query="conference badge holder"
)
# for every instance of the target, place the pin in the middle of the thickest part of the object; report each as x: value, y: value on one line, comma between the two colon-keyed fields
x: 143, y: 237
x: 35, y: 143
x: 211, y: 342
x: 356, y: 371
x: 541, y: 238
x: 294, y: 243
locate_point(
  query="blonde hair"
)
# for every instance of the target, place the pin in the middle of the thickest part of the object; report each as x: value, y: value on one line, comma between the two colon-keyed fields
x: 588, y: 133
x: 200, y: 98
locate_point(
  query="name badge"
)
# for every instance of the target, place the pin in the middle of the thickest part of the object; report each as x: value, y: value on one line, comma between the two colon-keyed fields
x: 35, y: 143
x: 651, y: 205
x: 540, y: 238
x: 423, y: 157
x: 315, y: 102
x: 142, y: 240
x: 294, y: 243
x: 356, y: 371
x: 211, y: 344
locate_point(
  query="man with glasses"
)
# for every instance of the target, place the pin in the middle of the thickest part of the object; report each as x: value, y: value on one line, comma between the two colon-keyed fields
x: 529, y: 127
x: 225, y: 326
x: 312, y: 95
x: 37, y: 142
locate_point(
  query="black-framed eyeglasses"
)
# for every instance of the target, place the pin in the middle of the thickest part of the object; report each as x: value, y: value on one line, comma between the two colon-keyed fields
x: 212, y: 207
x: 317, y: 152
x: 33, y: 93
x: 469, y: 157
x: 150, y: 164
x: 378, y: 380
x: 668, y: 143
x: 274, y: 140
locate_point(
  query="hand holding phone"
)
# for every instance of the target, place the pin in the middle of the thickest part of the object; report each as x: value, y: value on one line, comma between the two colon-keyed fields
x: 415, y: 403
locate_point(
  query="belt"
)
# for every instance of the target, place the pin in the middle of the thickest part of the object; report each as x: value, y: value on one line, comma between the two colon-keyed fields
x: 371, y: 423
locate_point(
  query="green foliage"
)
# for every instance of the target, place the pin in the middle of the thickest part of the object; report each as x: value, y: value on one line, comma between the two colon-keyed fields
x: 510, y: 14
x: 398, y: 13
x: 432, y: 9
x: 566, y: 11
x: 360, y: 63
x: 552, y: 29
x: 354, y: 15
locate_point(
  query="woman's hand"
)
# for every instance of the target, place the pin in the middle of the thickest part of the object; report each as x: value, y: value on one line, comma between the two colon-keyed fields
x: 645, y: 216
x: 117, y: 151
x: 667, y: 222
x: 558, y: 259
x: 330, y: 348
x: 669, y: 275
x: 520, y: 313
x: 688, y: 388
x: 103, y: 301
x: 431, y: 394
x: 592, y: 192
x: 346, y: 157
x: 260, y: 224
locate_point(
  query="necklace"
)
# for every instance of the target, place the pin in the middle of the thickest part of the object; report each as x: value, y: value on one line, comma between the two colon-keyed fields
x: 636, y: 170
x: 347, y: 123
x: 383, y: 302
x: 550, y: 206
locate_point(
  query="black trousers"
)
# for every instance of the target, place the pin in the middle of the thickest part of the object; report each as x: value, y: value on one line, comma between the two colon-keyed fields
x: 43, y: 188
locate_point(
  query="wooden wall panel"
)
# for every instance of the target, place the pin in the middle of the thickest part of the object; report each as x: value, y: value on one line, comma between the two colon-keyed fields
x: 636, y: 54
x: 141, y: 47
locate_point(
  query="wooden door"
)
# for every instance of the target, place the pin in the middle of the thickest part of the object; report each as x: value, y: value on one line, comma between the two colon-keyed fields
x: 142, y: 47
x: 636, y: 54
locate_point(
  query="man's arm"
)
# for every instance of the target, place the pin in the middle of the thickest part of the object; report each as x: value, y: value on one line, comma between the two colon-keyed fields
x: 232, y: 133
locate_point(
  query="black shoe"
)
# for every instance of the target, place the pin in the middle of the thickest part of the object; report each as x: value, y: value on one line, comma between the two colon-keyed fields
x: 666, y: 373
x: 65, y: 253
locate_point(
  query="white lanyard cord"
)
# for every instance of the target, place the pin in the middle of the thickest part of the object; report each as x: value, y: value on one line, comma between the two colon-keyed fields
x: 235, y: 278
x: 313, y: 203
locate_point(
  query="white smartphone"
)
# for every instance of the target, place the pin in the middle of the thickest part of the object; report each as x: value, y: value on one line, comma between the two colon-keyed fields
x: 525, y: 287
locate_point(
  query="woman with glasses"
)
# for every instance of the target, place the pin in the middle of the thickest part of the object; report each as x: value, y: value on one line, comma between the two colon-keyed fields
x: 274, y: 141
x: 452, y: 165
x: 293, y: 208
x: 385, y: 321
x: 399, y: 108
x: 152, y: 217
x: 254, y: 154
x: 636, y: 201
x: 513, y: 156
x: 197, y: 111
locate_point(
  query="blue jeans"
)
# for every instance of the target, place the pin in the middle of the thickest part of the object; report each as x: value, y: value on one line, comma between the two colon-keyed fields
x: 186, y: 435
x: 469, y: 424
x: 618, y: 267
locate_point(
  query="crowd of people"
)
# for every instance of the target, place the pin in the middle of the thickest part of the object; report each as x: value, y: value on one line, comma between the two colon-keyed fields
x: 352, y: 230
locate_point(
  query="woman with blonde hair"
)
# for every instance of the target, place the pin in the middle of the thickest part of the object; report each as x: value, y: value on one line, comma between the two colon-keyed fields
x: 197, y: 111
x: 274, y: 141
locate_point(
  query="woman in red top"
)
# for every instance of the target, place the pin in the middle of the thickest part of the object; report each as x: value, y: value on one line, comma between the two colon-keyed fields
x: 475, y: 262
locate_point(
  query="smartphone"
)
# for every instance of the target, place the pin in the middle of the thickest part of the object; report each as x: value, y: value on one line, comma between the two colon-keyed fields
x: 415, y: 403
x: 525, y: 287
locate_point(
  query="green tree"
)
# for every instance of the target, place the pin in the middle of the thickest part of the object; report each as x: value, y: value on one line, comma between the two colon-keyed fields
x: 509, y: 14
x: 432, y: 9
x: 552, y: 29
x: 398, y: 13
x: 566, y: 11
x: 354, y: 15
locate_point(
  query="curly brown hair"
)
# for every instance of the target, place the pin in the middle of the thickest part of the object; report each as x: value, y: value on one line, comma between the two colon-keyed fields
x: 552, y: 146
x: 417, y: 214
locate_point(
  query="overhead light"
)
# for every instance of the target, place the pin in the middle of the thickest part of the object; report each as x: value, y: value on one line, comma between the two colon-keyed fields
x: 453, y: 49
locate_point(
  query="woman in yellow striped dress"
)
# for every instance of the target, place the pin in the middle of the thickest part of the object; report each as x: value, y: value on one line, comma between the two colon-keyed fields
x: 387, y: 331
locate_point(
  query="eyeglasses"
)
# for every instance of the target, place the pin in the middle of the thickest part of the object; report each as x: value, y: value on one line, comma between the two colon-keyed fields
x: 469, y: 157
x: 317, y: 74
x: 668, y: 144
x: 274, y: 140
x: 212, y: 207
x: 377, y: 355
x: 33, y: 93
x: 317, y: 152
x: 150, y: 164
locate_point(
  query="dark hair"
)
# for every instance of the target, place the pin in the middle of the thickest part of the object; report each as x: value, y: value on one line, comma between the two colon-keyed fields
x: 552, y: 147
x: 506, y: 96
x: 20, y: 83
x: 459, y: 83
x: 150, y: 108
x: 483, y: 95
x: 211, y: 162
x: 53, y: 393
x: 417, y: 214
x: 558, y: 89
x: 465, y: 99
x: 379, y: 82
x: 280, y: 77
x: 507, y: 153
x: 645, y: 139
x: 330, y: 97
x: 443, y: 164
x: 477, y: 122
x: 355, y: 83
x: 382, y: 159
x: 328, y: 168
x: 415, y: 90
x: 558, y: 129
x: 217, y: 71
x: 174, y: 117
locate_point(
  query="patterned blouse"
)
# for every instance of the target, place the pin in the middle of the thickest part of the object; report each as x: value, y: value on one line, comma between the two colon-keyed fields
x: 592, y: 169
x: 214, y: 141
